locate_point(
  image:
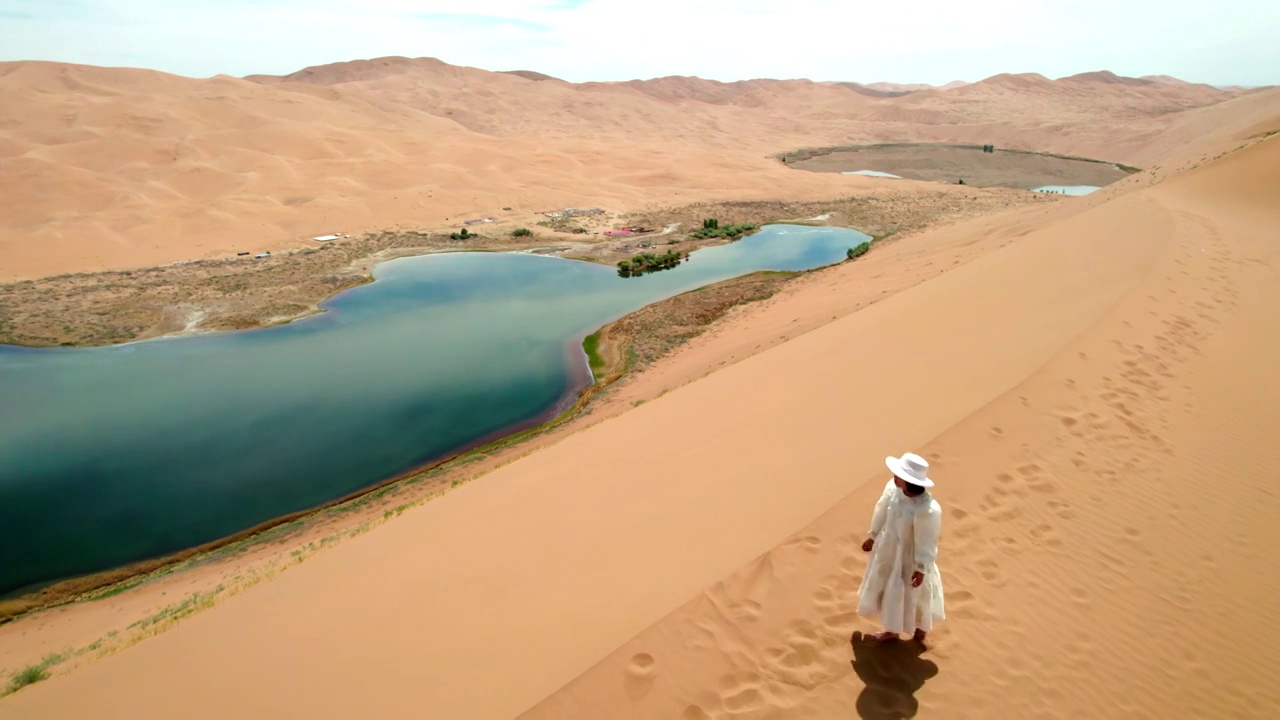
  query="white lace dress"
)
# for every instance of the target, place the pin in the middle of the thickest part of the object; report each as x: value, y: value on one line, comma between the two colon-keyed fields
x: 906, y: 532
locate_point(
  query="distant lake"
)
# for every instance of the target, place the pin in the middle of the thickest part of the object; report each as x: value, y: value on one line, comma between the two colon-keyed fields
x: 118, y: 454
x: 1067, y: 189
x: 873, y: 173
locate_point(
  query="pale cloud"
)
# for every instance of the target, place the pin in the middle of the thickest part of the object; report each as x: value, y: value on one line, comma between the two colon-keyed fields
x: 1231, y: 41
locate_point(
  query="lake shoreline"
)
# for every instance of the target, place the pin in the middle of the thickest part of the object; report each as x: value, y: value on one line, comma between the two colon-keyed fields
x: 880, y: 216
x: 117, y: 306
x: 877, y: 214
x: 584, y: 384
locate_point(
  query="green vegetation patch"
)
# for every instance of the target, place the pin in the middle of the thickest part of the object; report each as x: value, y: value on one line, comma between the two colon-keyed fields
x: 711, y: 229
x: 34, y: 673
x: 650, y: 262
x: 591, y: 345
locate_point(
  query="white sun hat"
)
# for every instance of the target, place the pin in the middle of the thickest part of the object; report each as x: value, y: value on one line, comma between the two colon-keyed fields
x: 910, y: 467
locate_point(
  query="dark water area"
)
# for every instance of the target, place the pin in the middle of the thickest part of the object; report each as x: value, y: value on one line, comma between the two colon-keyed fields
x: 118, y: 454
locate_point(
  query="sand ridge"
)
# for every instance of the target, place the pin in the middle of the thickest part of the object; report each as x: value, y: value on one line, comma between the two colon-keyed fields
x: 1088, y: 510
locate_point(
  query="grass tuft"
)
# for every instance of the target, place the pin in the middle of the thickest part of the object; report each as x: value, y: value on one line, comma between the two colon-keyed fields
x: 27, y: 676
x: 196, y: 601
x: 34, y: 673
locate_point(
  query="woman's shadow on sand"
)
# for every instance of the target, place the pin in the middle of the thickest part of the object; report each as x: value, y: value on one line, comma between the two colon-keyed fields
x: 892, y: 673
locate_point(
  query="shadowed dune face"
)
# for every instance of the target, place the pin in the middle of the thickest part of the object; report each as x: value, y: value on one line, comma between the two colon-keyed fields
x: 107, y: 168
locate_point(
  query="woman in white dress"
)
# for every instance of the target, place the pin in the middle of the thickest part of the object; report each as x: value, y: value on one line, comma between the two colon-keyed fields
x: 902, y: 585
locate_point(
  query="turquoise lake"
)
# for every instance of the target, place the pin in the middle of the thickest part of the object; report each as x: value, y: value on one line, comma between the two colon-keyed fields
x: 117, y: 454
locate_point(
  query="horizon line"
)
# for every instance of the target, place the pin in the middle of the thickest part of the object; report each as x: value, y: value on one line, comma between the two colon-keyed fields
x: 1148, y: 77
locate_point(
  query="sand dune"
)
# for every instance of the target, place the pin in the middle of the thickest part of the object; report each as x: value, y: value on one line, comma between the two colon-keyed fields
x: 108, y: 168
x: 1091, y: 380
x: 1090, y: 377
x: 1092, y: 507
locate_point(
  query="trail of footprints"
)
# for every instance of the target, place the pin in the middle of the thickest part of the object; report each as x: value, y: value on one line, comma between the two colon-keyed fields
x: 1025, y: 506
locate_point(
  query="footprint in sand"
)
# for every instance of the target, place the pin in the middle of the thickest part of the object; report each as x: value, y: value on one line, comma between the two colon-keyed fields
x: 989, y: 570
x: 642, y: 666
x: 963, y: 527
x: 1010, y: 485
x: 840, y: 624
x: 811, y: 543
x: 811, y: 655
x: 741, y: 692
x: 695, y: 712
x: 1045, y: 534
x: 1042, y: 484
x: 1062, y: 509
x: 852, y: 565
x: 641, y: 673
x: 998, y: 509
x: 825, y: 596
x: 743, y: 611
x: 964, y: 604
x: 836, y: 593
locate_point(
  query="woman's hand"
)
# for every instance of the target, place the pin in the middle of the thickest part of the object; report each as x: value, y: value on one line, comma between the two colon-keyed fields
x: 917, y: 578
x: 868, y: 544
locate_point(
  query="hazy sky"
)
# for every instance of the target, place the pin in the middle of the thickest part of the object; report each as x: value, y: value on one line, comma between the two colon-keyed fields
x: 1219, y: 42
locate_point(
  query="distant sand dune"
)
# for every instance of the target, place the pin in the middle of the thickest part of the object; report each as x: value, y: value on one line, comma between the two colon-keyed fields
x: 119, y: 168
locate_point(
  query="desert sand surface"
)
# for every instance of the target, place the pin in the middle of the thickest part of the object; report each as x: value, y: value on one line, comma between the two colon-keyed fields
x: 1091, y: 382
x: 119, y: 168
x: 1098, y: 536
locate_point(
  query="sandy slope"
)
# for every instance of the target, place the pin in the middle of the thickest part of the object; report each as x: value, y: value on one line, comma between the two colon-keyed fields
x: 1093, y: 387
x: 121, y: 168
x: 1108, y: 518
